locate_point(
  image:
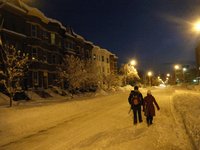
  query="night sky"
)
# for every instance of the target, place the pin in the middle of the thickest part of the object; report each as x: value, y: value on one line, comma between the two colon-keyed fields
x: 157, y: 33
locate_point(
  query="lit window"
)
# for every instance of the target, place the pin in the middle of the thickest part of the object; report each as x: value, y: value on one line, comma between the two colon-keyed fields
x: 94, y: 56
x: 53, y: 38
x: 34, y: 53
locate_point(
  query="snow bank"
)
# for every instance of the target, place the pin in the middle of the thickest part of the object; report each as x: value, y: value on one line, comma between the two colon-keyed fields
x: 3, y: 99
x: 187, y: 104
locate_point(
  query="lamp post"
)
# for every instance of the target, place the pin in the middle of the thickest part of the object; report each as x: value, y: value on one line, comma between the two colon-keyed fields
x: 128, y: 68
x: 167, y: 78
x: 176, y: 68
x: 184, y: 70
x: 149, y: 77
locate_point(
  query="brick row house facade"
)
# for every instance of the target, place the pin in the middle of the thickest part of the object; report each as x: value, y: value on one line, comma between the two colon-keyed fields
x: 46, y: 41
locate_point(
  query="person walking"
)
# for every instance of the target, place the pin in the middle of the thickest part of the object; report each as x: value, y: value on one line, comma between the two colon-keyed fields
x: 135, y: 99
x: 149, y: 109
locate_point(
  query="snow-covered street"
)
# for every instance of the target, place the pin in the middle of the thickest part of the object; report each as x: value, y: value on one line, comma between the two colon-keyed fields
x: 103, y: 123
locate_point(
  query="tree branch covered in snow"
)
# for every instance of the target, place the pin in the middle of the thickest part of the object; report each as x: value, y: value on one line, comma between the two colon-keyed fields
x: 15, y: 63
x: 79, y: 74
x: 72, y: 71
x: 129, y: 73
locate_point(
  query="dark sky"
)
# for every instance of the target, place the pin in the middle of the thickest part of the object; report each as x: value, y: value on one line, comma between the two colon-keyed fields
x: 155, y: 32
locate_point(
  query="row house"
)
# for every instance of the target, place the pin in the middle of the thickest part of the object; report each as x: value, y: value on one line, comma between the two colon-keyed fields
x: 105, y: 60
x: 27, y: 29
x: 46, y: 41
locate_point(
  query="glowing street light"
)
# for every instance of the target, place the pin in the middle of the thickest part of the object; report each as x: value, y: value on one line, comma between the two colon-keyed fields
x: 130, y: 66
x: 133, y: 62
x: 196, y: 26
x: 176, y: 67
x: 184, y: 69
x: 149, y: 73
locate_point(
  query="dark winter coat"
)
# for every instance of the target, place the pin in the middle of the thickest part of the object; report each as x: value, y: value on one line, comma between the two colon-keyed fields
x: 149, y: 102
x: 134, y: 93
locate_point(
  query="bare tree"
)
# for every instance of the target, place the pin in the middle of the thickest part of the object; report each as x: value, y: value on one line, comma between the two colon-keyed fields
x: 130, y: 73
x: 14, y: 64
x: 72, y: 71
x: 111, y: 80
x: 92, y: 74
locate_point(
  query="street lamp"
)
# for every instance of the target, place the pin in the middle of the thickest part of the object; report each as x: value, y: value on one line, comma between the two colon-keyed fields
x: 184, y: 70
x: 176, y: 67
x: 133, y: 62
x: 196, y: 26
x: 149, y: 73
x: 128, y: 68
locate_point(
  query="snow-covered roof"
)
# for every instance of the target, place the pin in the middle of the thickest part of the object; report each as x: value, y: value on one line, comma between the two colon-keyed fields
x: 89, y: 42
x: 78, y: 36
x: 21, y: 6
x: 32, y: 11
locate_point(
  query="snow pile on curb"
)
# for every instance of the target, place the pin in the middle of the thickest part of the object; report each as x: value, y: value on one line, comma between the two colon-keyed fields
x: 124, y: 89
x: 187, y: 105
x: 197, y: 87
x: 3, y: 99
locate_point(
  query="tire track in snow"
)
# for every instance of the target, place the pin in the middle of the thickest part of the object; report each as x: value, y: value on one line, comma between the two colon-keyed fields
x: 43, y: 131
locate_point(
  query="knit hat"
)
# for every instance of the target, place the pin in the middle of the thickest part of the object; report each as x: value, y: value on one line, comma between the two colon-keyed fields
x: 149, y: 92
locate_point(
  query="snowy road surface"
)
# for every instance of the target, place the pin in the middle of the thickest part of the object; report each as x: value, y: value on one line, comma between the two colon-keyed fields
x: 96, y: 124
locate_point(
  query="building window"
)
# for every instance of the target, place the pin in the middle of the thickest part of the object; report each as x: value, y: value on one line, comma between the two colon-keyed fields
x: 59, y: 43
x: 54, y: 59
x: 107, y: 60
x: 46, y: 36
x: 108, y: 70
x: 87, y: 54
x: 94, y: 57
x: 53, y: 38
x: 33, y: 30
x: 102, y: 58
x: 34, y: 53
x: 45, y: 58
x: 35, y: 79
x: 69, y: 44
x: 103, y: 70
